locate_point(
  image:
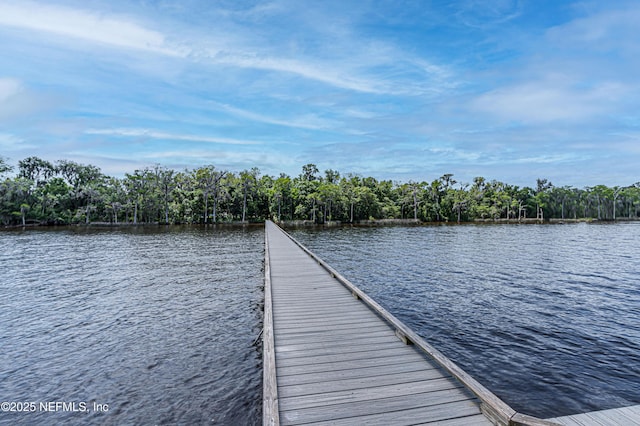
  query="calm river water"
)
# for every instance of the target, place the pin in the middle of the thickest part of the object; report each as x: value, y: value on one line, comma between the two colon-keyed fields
x: 155, y: 323
x: 545, y: 316
x: 158, y: 323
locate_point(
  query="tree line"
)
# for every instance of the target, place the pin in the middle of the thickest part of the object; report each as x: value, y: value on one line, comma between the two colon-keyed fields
x: 67, y: 192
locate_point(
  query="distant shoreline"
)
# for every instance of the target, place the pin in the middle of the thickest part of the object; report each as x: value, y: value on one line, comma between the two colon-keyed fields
x: 413, y: 222
x: 330, y: 224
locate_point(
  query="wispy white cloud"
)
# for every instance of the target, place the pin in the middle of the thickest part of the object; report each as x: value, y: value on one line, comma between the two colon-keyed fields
x: 269, y: 162
x: 207, y: 155
x: 118, y: 31
x: 307, y: 121
x: 454, y: 154
x: 9, y: 141
x: 153, y: 134
x: 609, y: 29
x: 12, y: 143
x: 329, y: 72
x: 575, y: 72
x: 548, y: 101
x: 484, y: 14
x: 18, y: 102
x: 350, y: 66
x: 359, y: 113
x: 545, y: 159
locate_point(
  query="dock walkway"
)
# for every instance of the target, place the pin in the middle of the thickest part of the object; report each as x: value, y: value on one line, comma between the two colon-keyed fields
x: 339, y: 361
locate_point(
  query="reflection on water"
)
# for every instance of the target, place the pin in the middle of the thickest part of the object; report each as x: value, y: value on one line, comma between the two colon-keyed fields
x: 546, y: 316
x: 156, y: 323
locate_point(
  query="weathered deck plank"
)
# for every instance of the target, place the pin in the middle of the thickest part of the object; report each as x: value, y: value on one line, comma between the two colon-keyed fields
x: 329, y: 350
x: 340, y: 366
x: 403, y: 416
x: 381, y: 406
x: 373, y: 371
x: 352, y: 383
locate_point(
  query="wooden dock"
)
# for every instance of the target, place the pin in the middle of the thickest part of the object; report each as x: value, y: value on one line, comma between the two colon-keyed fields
x: 329, y: 357
x: 332, y: 355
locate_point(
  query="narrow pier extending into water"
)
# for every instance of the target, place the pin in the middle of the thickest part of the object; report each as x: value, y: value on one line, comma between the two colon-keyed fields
x: 333, y: 355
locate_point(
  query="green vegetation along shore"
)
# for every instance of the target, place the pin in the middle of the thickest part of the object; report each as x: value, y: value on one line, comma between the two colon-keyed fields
x: 66, y: 192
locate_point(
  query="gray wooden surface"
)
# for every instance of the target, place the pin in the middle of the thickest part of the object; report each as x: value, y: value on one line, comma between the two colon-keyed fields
x: 626, y: 416
x: 338, y: 362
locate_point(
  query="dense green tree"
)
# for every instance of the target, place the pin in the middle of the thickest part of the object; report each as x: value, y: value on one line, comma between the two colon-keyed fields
x: 328, y: 196
x: 4, y: 166
x: 249, y: 187
x: 114, y: 198
x: 349, y: 188
x: 15, y: 196
x: 54, y: 198
x: 166, y: 185
x: 36, y: 170
x: 138, y: 187
x: 306, y: 192
x: 541, y: 196
x: 461, y: 201
x: 281, y: 193
x: 309, y: 172
x: 210, y: 182
x: 434, y: 193
x: 414, y: 190
x: 630, y: 199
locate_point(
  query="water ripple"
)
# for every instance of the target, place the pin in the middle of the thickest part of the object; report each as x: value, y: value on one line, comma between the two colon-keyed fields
x: 157, y: 323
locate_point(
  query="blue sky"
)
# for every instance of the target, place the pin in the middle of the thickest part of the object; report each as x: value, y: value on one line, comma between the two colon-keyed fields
x: 512, y: 90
